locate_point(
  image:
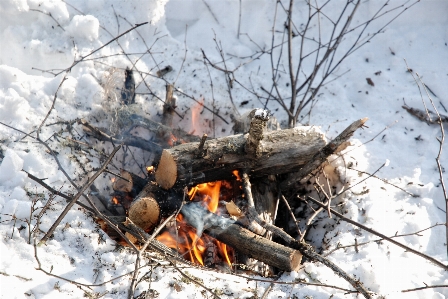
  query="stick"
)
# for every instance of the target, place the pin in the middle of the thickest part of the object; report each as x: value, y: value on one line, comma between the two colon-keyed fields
x: 78, y: 195
x: 322, y: 155
x: 168, y: 107
x: 96, y: 50
x: 127, y: 140
x: 432, y: 260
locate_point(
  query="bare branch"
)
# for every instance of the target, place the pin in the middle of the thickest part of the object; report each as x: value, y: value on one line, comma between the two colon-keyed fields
x: 432, y: 260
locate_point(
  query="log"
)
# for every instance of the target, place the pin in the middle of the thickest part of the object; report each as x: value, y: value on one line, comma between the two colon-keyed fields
x: 336, y: 145
x: 241, y: 239
x: 279, y: 152
x: 152, y: 204
x: 129, y: 182
x: 263, y: 193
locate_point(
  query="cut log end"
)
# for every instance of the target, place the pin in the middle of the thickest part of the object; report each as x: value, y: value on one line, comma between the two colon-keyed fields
x: 166, y: 174
x: 145, y: 213
x: 124, y: 185
x: 296, y: 259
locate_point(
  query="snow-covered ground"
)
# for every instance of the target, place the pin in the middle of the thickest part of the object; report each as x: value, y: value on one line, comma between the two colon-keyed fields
x: 50, y: 35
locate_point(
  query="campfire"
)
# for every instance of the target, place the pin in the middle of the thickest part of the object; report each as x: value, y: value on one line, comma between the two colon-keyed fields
x: 223, y: 191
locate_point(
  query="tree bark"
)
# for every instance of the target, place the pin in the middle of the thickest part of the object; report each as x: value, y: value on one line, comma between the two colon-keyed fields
x: 257, y: 247
x: 321, y: 155
x: 279, y: 152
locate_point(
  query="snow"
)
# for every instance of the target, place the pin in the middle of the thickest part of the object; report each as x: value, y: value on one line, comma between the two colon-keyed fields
x: 33, y: 41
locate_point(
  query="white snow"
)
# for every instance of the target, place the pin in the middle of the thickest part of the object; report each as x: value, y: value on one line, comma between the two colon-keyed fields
x: 32, y: 41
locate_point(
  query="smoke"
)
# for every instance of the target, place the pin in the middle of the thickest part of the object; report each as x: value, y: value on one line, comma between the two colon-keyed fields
x: 201, y: 219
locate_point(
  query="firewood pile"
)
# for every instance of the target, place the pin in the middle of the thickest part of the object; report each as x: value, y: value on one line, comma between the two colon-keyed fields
x: 213, y: 202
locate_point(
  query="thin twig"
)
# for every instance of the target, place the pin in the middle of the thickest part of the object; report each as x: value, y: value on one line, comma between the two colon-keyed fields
x: 56, y: 192
x: 78, y: 195
x: 378, y: 240
x: 52, y: 106
x: 96, y: 50
x: 292, y: 215
x: 432, y: 260
x: 386, y: 182
x: 426, y: 287
x: 440, y: 140
x: 140, y: 253
x: 50, y: 15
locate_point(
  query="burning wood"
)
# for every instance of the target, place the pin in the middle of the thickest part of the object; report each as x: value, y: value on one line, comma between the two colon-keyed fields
x: 248, y: 243
x: 201, y: 234
x: 279, y: 152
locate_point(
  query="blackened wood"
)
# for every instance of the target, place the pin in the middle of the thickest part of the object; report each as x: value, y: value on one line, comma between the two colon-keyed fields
x: 256, y: 246
x: 126, y: 140
x: 128, y: 91
x: 152, y: 204
x: 131, y: 183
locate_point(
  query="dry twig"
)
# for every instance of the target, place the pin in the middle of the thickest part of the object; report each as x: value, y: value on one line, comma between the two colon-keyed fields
x: 440, y: 140
x: 432, y: 260
x: 78, y: 195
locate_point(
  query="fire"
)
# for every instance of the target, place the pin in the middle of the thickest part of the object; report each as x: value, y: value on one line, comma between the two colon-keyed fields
x: 185, y: 240
x: 196, y: 127
x: 209, y: 193
x: 237, y: 175
x: 171, y: 140
x: 115, y: 200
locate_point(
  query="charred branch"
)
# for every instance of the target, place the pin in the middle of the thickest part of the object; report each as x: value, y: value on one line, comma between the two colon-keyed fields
x: 246, y: 242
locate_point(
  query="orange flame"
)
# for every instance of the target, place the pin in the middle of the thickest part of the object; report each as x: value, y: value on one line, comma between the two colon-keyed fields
x: 171, y: 140
x: 209, y: 193
x: 187, y: 242
x: 115, y: 200
x: 237, y: 175
x: 196, y: 127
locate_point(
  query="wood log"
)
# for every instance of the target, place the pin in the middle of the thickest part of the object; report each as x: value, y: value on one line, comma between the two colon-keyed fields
x: 241, y: 239
x: 264, y: 194
x: 258, y: 247
x: 336, y: 145
x: 129, y: 182
x: 152, y: 204
x: 279, y: 152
